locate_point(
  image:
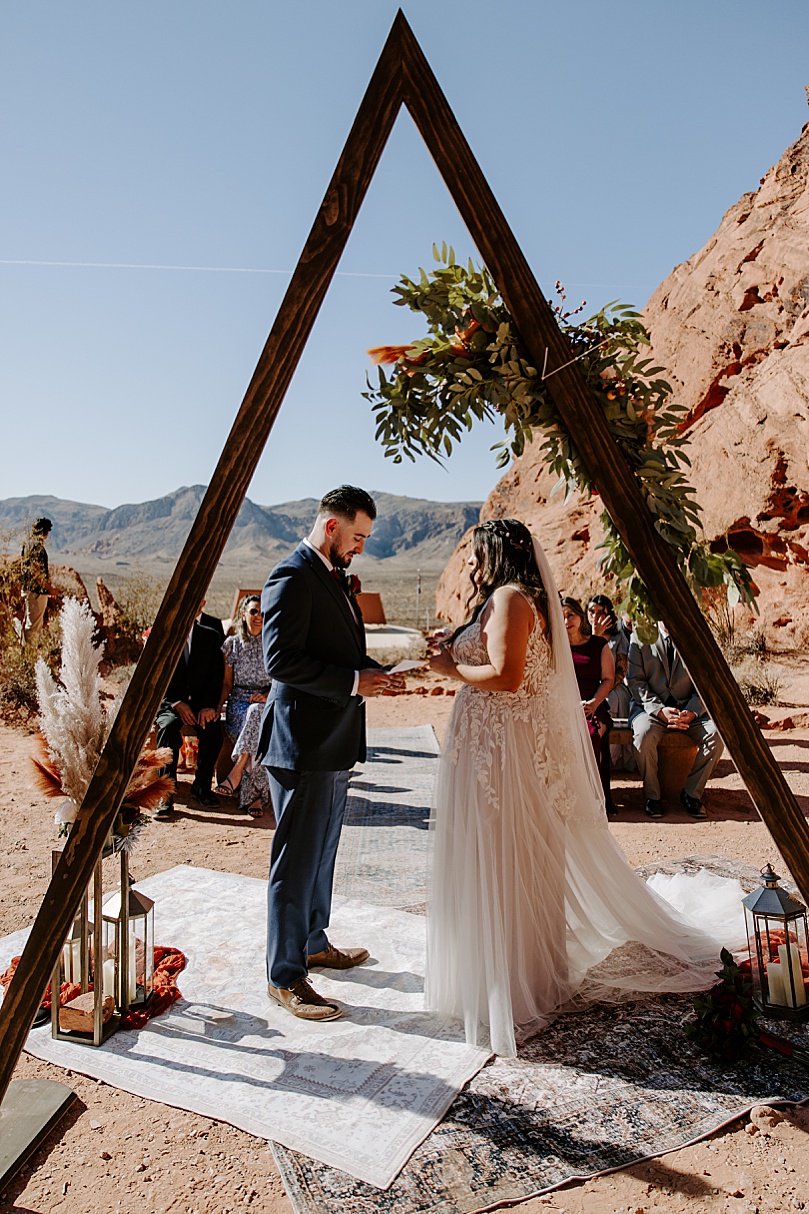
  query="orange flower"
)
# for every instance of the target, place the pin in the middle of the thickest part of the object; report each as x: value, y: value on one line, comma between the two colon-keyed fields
x: 390, y: 354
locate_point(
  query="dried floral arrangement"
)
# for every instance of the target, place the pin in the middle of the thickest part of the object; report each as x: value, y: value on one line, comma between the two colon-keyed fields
x: 75, y: 725
x: 473, y: 365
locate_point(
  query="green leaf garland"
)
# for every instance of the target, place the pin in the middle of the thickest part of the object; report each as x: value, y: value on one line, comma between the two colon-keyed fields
x: 472, y: 365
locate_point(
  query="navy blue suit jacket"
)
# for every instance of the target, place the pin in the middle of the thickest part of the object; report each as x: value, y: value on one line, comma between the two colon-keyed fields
x: 312, y: 649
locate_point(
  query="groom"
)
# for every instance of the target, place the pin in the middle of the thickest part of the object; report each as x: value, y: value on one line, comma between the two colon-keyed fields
x: 312, y: 734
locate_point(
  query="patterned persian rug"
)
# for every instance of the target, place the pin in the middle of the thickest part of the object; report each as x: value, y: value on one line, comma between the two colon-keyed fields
x: 597, y: 1091
x: 601, y: 1089
x: 358, y: 1094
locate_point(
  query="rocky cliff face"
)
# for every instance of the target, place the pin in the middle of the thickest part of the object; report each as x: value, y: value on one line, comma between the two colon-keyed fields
x: 731, y: 328
x: 569, y: 531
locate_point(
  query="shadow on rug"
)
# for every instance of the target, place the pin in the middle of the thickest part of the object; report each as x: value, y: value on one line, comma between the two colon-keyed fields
x: 384, y: 844
x: 597, y: 1091
x: 601, y: 1089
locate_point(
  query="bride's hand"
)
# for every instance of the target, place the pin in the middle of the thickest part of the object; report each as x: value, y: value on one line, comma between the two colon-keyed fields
x: 443, y: 663
x: 436, y: 640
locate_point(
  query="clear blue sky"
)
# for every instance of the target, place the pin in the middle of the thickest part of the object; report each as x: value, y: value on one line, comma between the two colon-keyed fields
x: 202, y: 134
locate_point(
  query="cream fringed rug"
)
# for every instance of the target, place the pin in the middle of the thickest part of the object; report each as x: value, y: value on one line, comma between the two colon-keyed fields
x: 359, y: 1094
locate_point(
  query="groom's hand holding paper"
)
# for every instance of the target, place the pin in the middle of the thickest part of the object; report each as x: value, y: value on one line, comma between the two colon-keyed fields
x: 375, y: 682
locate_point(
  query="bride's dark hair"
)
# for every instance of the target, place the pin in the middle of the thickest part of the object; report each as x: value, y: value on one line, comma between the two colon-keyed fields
x: 504, y: 555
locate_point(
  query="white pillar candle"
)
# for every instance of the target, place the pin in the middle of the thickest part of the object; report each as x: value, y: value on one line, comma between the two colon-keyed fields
x: 775, y: 984
x: 71, y: 961
x: 108, y: 981
x: 791, y: 960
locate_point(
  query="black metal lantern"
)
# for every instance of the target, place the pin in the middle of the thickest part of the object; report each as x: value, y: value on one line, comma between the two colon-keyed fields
x: 778, y: 939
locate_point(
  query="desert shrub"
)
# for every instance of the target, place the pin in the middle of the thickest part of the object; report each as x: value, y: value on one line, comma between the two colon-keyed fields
x: 736, y: 642
x: 721, y: 618
x: 138, y: 600
x: 747, y: 652
x: 10, y: 576
x: 120, y: 676
x: 18, y: 690
x: 758, y: 680
x: 754, y: 642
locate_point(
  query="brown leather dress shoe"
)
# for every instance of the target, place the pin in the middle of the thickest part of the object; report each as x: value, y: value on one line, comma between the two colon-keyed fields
x: 304, y: 1002
x: 332, y: 958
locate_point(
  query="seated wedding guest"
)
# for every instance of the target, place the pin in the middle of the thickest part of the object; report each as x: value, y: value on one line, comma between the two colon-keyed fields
x: 595, y: 674
x: 664, y: 698
x: 211, y: 621
x: 191, y: 704
x: 604, y: 623
x: 244, y: 693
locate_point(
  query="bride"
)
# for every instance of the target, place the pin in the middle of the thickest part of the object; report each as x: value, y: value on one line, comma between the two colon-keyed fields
x: 533, y: 903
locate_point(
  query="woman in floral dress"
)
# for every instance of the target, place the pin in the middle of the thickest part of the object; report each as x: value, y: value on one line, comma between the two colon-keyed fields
x: 244, y: 691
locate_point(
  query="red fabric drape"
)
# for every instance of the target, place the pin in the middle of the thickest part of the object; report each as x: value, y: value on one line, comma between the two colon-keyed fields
x: 168, y: 963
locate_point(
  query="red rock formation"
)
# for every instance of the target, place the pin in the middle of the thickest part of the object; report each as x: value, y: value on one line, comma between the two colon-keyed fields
x: 569, y: 530
x: 731, y: 328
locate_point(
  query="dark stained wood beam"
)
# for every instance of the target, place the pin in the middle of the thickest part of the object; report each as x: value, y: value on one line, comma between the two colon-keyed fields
x: 402, y: 74
x: 203, y: 548
x: 606, y: 465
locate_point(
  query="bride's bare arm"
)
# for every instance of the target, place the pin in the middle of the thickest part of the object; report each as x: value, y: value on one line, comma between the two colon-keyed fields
x: 507, y: 624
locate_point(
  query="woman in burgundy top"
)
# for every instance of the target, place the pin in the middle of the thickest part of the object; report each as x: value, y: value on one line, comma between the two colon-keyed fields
x: 595, y: 673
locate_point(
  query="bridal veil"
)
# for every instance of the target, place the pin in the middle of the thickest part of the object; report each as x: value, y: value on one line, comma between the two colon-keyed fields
x: 533, y: 905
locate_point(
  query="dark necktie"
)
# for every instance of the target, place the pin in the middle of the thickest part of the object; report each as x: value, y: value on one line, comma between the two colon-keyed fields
x: 670, y: 653
x: 342, y: 581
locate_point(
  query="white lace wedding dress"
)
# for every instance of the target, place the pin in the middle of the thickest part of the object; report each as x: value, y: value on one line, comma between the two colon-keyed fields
x: 533, y: 904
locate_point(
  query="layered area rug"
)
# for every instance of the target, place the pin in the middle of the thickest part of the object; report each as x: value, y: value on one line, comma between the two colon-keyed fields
x: 597, y: 1091
x: 351, y: 1105
x: 358, y: 1094
x: 600, y: 1090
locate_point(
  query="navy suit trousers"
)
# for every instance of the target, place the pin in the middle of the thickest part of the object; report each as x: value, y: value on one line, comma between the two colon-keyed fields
x: 309, y: 808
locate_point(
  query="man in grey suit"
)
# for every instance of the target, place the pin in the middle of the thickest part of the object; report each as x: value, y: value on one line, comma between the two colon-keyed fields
x: 664, y: 697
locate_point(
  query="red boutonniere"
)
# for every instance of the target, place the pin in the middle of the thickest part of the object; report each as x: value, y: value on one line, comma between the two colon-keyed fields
x: 350, y: 583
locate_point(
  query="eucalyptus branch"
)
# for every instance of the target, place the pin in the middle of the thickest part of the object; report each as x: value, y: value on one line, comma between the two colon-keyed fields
x: 472, y: 365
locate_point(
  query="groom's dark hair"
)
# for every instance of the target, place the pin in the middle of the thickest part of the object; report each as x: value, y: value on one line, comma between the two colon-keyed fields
x: 347, y: 501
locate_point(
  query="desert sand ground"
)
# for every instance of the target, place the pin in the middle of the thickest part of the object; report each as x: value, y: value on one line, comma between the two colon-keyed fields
x: 116, y: 1152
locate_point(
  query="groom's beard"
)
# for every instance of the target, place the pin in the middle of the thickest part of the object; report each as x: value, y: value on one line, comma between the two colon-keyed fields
x: 338, y: 559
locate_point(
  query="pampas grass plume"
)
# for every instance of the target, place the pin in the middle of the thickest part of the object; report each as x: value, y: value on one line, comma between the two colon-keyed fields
x: 75, y: 725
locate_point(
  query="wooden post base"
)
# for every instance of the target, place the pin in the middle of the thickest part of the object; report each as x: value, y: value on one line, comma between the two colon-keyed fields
x: 30, y: 1109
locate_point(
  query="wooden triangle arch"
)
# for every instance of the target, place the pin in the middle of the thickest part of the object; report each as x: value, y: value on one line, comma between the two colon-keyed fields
x: 401, y: 77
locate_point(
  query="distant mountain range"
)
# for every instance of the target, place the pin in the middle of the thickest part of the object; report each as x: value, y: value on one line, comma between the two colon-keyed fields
x: 408, y: 531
